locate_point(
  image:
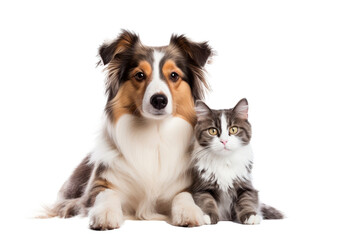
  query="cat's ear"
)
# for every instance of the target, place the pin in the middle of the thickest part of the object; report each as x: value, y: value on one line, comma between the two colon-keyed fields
x: 242, y: 108
x: 201, y: 109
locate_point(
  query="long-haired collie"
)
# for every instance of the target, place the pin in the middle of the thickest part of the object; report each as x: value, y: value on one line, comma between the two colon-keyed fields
x: 139, y: 168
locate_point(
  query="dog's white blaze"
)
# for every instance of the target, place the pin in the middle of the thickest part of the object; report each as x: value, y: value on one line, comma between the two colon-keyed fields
x: 157, y: 85
x: 153, y: 157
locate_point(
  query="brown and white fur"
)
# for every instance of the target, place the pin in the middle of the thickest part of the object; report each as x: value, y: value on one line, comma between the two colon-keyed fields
x: 139, y: 166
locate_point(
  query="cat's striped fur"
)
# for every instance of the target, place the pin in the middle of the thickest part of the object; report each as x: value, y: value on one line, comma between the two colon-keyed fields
x: 222, y: 165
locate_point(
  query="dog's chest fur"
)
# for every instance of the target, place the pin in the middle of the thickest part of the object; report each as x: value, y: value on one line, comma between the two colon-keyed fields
x: 154, y: 146
x: 153, y: 160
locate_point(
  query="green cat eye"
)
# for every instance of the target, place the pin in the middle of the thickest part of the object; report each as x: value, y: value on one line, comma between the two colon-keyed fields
x: 212, y: 131
x: 233, y: 130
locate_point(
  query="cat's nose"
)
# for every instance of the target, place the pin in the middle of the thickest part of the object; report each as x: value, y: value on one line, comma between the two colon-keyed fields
x: 224, y: 142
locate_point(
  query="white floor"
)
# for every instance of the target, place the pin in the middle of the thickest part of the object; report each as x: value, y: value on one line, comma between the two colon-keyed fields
x: 76, y: 228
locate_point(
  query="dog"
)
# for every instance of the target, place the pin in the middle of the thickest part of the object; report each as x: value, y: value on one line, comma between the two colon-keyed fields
x: 139, y: 168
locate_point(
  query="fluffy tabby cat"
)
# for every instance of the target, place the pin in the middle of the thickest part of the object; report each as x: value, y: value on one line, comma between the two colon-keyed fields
x: 222, y: 163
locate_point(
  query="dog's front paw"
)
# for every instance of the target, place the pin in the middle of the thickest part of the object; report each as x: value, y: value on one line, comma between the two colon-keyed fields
x: 207, y: 219
x: 253, y: 219
x: 188, y: 216
x: 106, y: 219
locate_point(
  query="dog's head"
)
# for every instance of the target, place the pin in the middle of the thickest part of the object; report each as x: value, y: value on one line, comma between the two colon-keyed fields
x: 154, y: 82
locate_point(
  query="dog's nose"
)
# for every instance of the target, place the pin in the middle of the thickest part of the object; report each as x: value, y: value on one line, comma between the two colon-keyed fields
x: 159, y: 101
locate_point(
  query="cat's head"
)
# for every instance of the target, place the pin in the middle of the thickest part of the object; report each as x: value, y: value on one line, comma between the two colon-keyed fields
x: 223, y: 131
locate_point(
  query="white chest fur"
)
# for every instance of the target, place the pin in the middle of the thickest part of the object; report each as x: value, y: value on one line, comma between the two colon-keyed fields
x: 148, y: 162
x: 224, y: 169
x: 157, y: 148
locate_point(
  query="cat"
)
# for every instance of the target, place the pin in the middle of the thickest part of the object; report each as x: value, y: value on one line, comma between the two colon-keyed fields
x: 222, y: 161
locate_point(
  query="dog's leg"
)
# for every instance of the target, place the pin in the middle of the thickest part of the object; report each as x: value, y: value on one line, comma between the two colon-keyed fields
x: 106, y: 214
x: 185, y: 213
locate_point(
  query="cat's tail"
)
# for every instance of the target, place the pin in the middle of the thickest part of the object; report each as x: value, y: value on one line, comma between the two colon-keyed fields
x: 269, y: 212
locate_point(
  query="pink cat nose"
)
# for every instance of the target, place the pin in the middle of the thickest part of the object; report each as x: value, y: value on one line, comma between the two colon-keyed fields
x: 224, y: 142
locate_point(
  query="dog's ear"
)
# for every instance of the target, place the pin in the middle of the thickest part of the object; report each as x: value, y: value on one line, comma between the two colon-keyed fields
x: 198, y: 53
x: 124, y: 41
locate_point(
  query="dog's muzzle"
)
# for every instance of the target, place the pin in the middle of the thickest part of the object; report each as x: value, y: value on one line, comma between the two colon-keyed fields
x: 159, y: 101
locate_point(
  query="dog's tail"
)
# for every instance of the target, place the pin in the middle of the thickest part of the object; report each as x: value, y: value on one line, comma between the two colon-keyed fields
x: 269, y: 212
x: 65, y: 208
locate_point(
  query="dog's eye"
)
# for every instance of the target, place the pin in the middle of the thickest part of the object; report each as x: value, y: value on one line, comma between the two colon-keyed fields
x: 174, y: 76
x: 140, y: 76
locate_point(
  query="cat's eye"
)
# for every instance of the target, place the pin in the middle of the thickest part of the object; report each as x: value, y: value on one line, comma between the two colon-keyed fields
x: 233, y: 130
x: 212, y: 131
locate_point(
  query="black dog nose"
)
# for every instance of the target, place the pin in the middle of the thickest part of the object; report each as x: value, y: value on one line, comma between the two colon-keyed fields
x: 159, y: 101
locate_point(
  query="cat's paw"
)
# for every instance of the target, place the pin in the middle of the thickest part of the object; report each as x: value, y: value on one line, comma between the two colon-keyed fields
x: 106, y: 219
x: 214, y: 218
x: 253, y: 219
x: 189, y: 216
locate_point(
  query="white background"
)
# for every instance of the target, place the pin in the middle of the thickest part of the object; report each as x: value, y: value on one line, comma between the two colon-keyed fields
x: 297, y: 62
